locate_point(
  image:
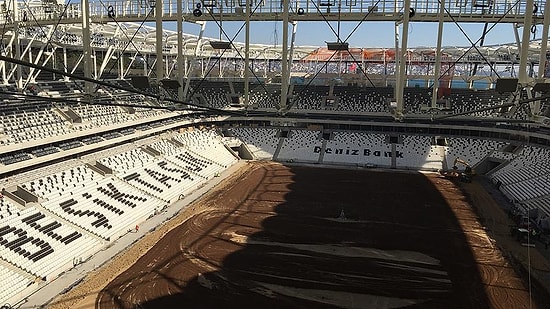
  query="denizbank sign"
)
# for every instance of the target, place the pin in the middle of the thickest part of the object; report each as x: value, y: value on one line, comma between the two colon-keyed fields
x: 358, y: 152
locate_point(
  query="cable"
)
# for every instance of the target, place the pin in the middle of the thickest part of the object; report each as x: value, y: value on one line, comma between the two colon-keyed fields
x: 337, y: 33
x: 231, y: 40
x: 361, y: 69
x: 345, y: 40
x: 40, y: 67
x: 522, y: 102
x: 325, y: 19
x: 135, y: 91
x: 313, y: 78
x: 4, y: 28
x: 362, y: 20
x: 474, y: 71
x: 473, y: 45
x: 470, y: 48
x: 130, y: 40
x: 49, y: 40
x: 36, y: 98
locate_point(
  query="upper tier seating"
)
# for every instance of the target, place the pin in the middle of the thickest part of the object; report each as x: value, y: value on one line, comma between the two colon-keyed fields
x: 34, y: 124
x: 215, y: 93
x: 308, y: 98
x: 367, y: 100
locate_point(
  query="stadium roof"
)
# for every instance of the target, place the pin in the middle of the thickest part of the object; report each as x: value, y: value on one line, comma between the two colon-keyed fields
x: 133, y: 37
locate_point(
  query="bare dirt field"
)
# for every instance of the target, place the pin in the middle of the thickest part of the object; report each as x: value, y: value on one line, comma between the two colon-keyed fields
x: 275, y: 236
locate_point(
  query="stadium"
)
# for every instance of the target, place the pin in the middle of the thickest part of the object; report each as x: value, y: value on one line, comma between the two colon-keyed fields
x: 162, y: 154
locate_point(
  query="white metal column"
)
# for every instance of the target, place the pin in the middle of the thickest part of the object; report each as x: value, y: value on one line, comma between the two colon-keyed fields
x: 86, y: 48
x: 246, y: 55
x: 402, y: 72
x: 438, y: 52
x: 284, y: 59
x: 16, y: 41
x: 191, y: 66
x: 179, y: 59
x: 159, y: 41
x: 291, y: 52
x: 524, y: 52
x: 120, y: 65
x: 15, y: 9
x: 544, y: 41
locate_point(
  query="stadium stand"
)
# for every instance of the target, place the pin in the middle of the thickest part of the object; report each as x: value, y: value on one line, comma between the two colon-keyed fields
x: 165, y: 147
x: 357, y: 148
x: 215, y: 93
x: 469, y: 149
x: 38, y: 243
x: 526, y: 177
x: 128, y: 161
x: 83, y: 205
x: 29, y: 123
x: 207, y: 144
x: 131, y: 165
x: 366, y: 100
x: 463, y: 100
x: 417, y: 152
x: 265, y: 96
x: 14, y: 158
x: 13, y: 284
x: 299, y: 146
x: 262, y: 142
x: 308, y: 97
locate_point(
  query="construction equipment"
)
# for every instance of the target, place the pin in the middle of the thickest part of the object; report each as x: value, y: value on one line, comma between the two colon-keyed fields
x: 465, y: 175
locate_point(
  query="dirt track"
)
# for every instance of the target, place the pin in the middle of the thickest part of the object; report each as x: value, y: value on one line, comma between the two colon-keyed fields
x: 274, y: 236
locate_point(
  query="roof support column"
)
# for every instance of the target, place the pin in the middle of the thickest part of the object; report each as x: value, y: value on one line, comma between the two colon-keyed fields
x: 65, y: 64
x: 15, y: 8
x: 396, y: 59
x: 544, y: 41
x: 284, y: 59
x: 524, y: 54
x: 189, y: 72
x: 87, y: 45
x: 402, y: 68
x: 438, y: 53
x: 291, y: 52
x: 535, y: 106
x: 158, y: 36
x: 246, y: 55
x: 179, y: 59
x: 120, y: 65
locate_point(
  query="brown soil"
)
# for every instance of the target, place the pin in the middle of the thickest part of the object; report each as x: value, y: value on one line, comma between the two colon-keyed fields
x: 300, y: 237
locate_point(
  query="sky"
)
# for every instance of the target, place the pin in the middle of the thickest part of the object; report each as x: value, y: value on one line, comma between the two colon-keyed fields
x: 371, y: 34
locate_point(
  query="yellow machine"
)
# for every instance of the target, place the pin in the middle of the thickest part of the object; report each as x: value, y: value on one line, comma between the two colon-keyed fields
x: 465, y: 175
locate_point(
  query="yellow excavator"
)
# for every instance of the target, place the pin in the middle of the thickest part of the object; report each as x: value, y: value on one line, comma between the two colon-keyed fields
x: 465, y: 175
